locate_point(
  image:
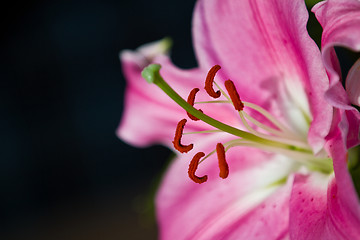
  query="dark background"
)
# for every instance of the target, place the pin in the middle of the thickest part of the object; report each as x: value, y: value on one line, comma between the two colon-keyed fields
x: 63, y: 172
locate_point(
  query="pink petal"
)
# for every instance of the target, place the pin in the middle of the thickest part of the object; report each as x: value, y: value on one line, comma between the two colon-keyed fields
x: 353, y: 83
x: 337, y: 97
x: 262, y: 43
x: 308, y: 209
x: 243, y: 206
x: 332, y: 211
x: 346, y: 122
x: 317, y: 212
x: 353, y: 125
x: 346, y: 193
x: 150, y: 116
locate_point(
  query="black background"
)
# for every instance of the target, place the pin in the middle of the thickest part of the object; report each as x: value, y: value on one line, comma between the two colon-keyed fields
x: 63, y: 172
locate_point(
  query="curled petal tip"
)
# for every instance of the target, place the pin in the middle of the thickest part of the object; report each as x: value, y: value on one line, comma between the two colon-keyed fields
x: 353, y: 83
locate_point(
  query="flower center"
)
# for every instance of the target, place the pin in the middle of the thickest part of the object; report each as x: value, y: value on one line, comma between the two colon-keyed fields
x: 276, y: 138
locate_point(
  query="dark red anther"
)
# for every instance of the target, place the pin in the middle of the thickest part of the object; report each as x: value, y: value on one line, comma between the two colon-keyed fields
x: 191, y: 100
x: 223, y: 166
x: 193, y: 166
x: 210, y: 80
x: 177, y: 139
x: 234, y: 95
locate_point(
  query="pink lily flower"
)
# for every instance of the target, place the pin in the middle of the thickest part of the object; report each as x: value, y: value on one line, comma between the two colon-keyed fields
x: 281, y: 146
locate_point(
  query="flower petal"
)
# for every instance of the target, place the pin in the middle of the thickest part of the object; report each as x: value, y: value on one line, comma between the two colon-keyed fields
x: 332, y: 212
x: 353, y: 128
x: 315, y: 198
x: 243, y: 206
x: 346, y: 196
x: 308, y: 201
x: 262, y: 43
x: 353, y: 83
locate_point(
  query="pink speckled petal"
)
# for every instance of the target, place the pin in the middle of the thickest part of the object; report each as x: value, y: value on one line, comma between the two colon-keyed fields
x: 329, y: 204
x: 346, y: 194
x: 317, y: 211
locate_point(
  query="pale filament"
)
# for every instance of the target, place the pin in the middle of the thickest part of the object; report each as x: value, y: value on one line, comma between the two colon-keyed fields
x: 206, y: 131
x: 269, y: 129
x: 261, y: 110
x: 303, y: 158
x: 300, y: 157
x: 214, y: 151
x: 274, y: 138
x: 284, y: 135
x: 269, y: 116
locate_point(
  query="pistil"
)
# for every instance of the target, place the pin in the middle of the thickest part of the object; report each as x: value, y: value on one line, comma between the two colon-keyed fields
x: 152, y: 75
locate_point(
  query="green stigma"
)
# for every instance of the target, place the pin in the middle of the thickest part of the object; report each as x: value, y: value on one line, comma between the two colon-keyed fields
x: 151, y: 73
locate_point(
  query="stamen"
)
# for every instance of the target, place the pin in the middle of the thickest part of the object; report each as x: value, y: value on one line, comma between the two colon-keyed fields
x: 263, y: 126
x: 272, y: 119
x: 177, y: 139
x: 209, y: 82
x: 213, y: 101
x: 222, y: 91
x: 223, y: 166
x: 205, y: 131
x: 235, y: 98
x: 270, y: 137
x: 191, y: 100
x: 283, y: 132
x: 193, y: 166
x: 303, y: 158
x: 152, y: 75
